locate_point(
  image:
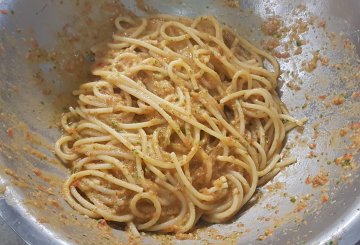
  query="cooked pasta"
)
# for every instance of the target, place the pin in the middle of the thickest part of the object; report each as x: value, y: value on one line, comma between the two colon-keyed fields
x: 182, y: 123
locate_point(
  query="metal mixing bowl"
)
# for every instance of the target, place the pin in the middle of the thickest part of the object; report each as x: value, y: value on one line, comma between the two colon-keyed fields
x: 33, y: 94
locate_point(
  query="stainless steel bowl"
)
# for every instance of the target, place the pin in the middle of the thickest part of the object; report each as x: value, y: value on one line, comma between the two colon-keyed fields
x: 36, y: 85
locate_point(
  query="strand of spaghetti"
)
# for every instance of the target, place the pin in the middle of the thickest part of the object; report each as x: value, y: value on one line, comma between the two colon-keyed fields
x: 242, y: 74
x: 209, y: 165
x: 89, y: 125
x: 151, y: 123
x: 273, y: 118
x: 181, y: 97
x: 171, y: 38
x: 221, y: 207
x: 226, y: 149
x: 140, y: 111
x: 197, y: 202
x: 133, y: 229
x: 140, y: 43
x: 217, y: 27
x: 155, y: 143
x: 98, y: 188
x: 247, y: 93
x: 152, y: 168
x: 241, y: 117
x: 69, y: 193
x: 91, y: 133
x: 113, y: 153
x: 180, y: 216
x: 194, y: 149
x: 291, y: 119
x: 191, y: 120
x: 190, y: 31
x: 139, y: 170
x: 186, y: 182
x: 262, y: 154
x: 263, y: 180
x: 120, y: 165
x: 243, y: 181
x: 270, y: 166
x: 140, y: 29
x: 219, y: 117
x: 92, y: 100
x: 204, y: 67
x: 64, y: 122
x: 261, y: 133
x: 144, y: 144
x: 188, y: 70
x: 107, y: 110
x: 60, y: 153
x: 79, y: 164
x: 143, y: 67
x: 268, y: 85
x: 253, y: 176
x: 171, y: 53
x: 92, y: 140
x: 99, y: 166
x: 123, y: 19
x: 98, y: 200
x: 270, y: 58
x: 210, y: 121
x: 232, y: 159
x: 223, y: 216
x: 290, y: 125
x: 286, y: 162
x: 236, y: 202
x: 188, y: 109
x: 191, y: 220
x: 105, y: 176
x: 156, y: 204
x: 173, y: 76
x: 112, y: 217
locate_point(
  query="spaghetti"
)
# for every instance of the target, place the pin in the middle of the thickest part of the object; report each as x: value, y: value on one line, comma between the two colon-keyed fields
x: 183, y: 123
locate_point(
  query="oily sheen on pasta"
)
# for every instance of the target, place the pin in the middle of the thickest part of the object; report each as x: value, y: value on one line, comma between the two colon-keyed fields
x: 182, y: 123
